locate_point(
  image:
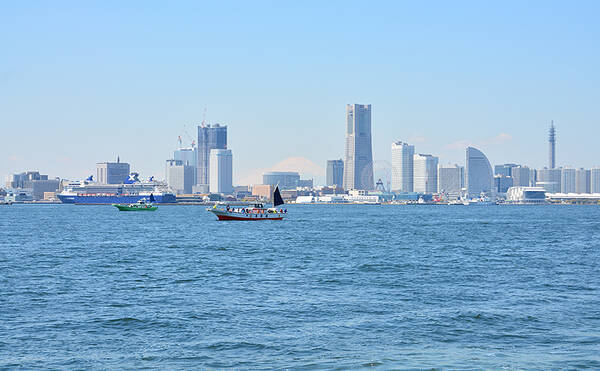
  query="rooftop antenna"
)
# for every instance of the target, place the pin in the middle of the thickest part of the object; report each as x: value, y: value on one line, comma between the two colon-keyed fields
x: 204, y: 117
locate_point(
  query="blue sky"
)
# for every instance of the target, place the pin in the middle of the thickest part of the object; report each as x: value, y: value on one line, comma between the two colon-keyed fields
x: 83, y: 82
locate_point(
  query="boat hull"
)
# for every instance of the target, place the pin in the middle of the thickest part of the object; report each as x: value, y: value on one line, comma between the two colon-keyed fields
x: 135, y: 208
x: 225, y: 215
x: 167, y: 198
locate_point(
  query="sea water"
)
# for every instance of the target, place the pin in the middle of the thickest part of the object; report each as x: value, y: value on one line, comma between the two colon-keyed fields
x: 332, y: 286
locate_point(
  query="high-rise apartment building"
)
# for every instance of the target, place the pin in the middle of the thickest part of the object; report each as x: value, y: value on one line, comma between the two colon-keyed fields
x: 112, y: 172
x: 549, y: 179
x: 221, y: 171
x: 402, y: 167
x: 478, y: 176
x: 179, y: 176
x: 595, y: 180
x: 358, y: 164
x: 451, y: 179
x: 582, y: 181
x: 209, y: 138
x: 425, y: 173
x: 567, y: 180
x: 335, y: 173
x: 521, y: 176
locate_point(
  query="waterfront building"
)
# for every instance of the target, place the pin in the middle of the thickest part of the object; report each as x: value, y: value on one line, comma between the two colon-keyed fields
x: 567, y: 180
x: 209, y: 138
x: 305, y: 183
x: 478, y: 175
x: 526, y: 195
x: 425, y: 173
x: 221, y: 171
x: 502, y: 183
x: 549, y: 179
x: 335, y: 173
x: 521, y: 176
x: 179, y: 176
x: 39, y: 187
x: 112, y: 172
x: 504, y: 169
x: 595, y: 180
x: 358, y: 164
x: 552, y: 146
x: 189, y: 157
x: 23, y: 180
x: 582, y: 181
x: 402, y: 167
x: 285, y: 179
x: 451, y: 179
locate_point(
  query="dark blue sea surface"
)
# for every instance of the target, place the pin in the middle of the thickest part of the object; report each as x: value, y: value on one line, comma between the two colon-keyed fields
x: 333, y: 286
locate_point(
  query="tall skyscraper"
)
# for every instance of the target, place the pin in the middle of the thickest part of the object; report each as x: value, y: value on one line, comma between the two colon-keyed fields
x: 595, y: 180
x: 425, y: 173
x: 451, y: 179
x: 180, y: 176
x: 335, y: 173
x: 582, y: 181
x: 552, y: 146
x: 209, y: 137
x: 478, y: 177
x: 358, y: 165
x: 221, y: 172
x: 567, y: 180
x: 402, y: 167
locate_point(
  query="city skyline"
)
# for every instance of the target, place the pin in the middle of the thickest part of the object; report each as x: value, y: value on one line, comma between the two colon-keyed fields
x: 507, y: 71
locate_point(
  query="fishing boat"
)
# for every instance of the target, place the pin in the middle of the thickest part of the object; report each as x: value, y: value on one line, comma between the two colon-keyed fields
x: 141, y: 205
x: 253, y: 211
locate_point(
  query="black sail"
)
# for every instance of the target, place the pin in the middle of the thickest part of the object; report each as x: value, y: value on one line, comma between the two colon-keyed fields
x: 277, y: 200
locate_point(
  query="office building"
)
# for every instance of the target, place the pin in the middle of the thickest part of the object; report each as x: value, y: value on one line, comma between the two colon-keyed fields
x: 189, y: 157
x: 595, y: 180
x: 180, y: 177
x: 112, y: 172
x: 221, y: 171
x: 425, y: 173
x: 335, y: 173
x: 567, y: 180
x: 209, y: 138
x: 25, y: 179
x: 285, y: 179
x: 358, y: 164
x: 549, y: 179
x: 502, y: 183
x: 504, y: 169
x: 582, y: 181
x: 451, y: 179
x: 552, y: 146
x: 39, y: 187
x: 305, y: 183
x: 478, y: 175
x: 402, y: 167
x: 521, y: 176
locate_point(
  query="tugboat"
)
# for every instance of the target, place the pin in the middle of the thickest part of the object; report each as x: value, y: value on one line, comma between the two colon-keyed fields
x: 141, y: 205
x: 252, y: 212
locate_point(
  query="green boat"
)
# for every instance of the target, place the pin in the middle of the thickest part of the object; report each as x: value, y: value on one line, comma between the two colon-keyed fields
x: 141, y: 205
